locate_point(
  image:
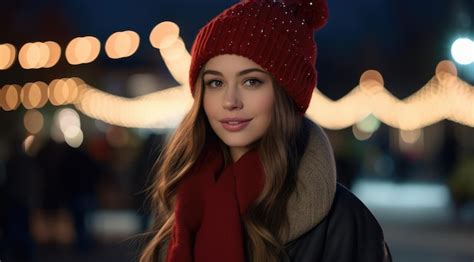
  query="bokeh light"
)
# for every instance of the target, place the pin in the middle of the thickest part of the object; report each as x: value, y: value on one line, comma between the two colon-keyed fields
x: 164, y: 34
x: 64, y: 91
x: 67, y: 127
x: 7, y: 56
x: 39, y: 90
x: 27, y: 143
x: 462, y: 51
x: 369, y: 125
x: 122, y: 44
x: 82, y: 50
x: 411, y: 140
x: 54, y: 54
x: 178, y: 61
x: 73, y: 136
x: 68, y: 117
x: 360, y: 134
x: 410, y: 136
x: 23, y: 58
x: 24, y: 96
x: 55, y: 94
x: 34, y: 55
x: 33, y: 121
x: 10, y: 97
x: 34, y: 95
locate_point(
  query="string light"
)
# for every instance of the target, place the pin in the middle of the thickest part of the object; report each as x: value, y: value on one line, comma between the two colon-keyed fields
x: 164, y: 34
x: 10, y: 97
x: 54, y: 54
x: 7, y: 56
x: 82, y: 50
x: 445, y: 96
x: 38, y: 55
x: 122, y: 44
x: 177, y: 60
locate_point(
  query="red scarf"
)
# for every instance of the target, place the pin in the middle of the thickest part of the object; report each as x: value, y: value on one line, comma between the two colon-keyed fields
x: 210, y: 202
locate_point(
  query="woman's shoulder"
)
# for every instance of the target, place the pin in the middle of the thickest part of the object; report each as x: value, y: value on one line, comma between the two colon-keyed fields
x: 346, y: 206
x: 349, y: 232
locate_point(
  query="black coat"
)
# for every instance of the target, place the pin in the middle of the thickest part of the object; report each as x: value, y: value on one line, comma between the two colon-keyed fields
x: 348, y: 233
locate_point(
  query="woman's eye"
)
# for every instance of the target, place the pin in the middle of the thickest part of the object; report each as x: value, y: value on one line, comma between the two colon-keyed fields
x: 214, y: 83
x: 253, y: 82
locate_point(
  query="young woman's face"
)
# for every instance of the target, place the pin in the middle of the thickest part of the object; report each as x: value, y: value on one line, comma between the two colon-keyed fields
x: 238, y: 101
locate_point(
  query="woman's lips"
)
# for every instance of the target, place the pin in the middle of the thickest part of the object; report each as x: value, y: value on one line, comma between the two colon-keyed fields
x: 235, y: 124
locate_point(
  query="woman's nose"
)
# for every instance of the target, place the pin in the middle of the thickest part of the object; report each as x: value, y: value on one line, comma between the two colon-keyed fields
x: 232, y: 99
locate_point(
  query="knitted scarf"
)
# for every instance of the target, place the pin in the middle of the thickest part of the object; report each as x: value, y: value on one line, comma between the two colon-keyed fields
x: 210, y: 203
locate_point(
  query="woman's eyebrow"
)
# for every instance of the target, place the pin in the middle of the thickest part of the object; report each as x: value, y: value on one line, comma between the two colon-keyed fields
x: 243, y: 72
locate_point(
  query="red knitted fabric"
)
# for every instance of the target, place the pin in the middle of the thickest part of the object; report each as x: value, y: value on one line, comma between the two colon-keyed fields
x: 210, y: 202
x: 277, y: 35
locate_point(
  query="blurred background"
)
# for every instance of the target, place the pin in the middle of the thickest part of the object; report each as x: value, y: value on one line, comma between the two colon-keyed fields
x: 90, y: 90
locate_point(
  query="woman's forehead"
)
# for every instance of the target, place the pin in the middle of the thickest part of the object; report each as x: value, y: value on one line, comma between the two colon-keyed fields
x: 230, y: 63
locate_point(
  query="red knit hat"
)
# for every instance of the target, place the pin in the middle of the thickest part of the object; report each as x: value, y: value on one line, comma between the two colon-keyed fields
x: 277, y: 35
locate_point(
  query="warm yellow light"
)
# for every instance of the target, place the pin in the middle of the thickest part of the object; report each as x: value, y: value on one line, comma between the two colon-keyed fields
x: 178, y: 61
x: 7, y: 56
x: 72, y: 90
x: 24, y: 96
x: 58, y: 92
x: 134, y: 42
x: 34, y: 95
x: 54, y: 54
x: 446, y: 66
x: 42, y: 87
x: 23, y: 56
x: 28, y: 143
x: 61, y: 91
x: 164, y: 34
x: 70, y: 52
x: 95, y: 48
x: 33, y: 55
x: 78, y: 91
x: 12, y: 97
x: 51, y: 88
x: 445, y: 96
x: 37, y: 55
x: 371, y: 82
x: 81, y: 50
x: 122, y: 44
x: 44, y: 54
x: 174, y: 51
x: 33, y: 121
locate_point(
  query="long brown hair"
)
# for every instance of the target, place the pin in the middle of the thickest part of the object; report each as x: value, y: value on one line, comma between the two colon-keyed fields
x: 266, y: 219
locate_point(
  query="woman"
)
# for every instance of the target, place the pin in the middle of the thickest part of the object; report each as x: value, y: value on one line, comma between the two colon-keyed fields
x: 245, y: 177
